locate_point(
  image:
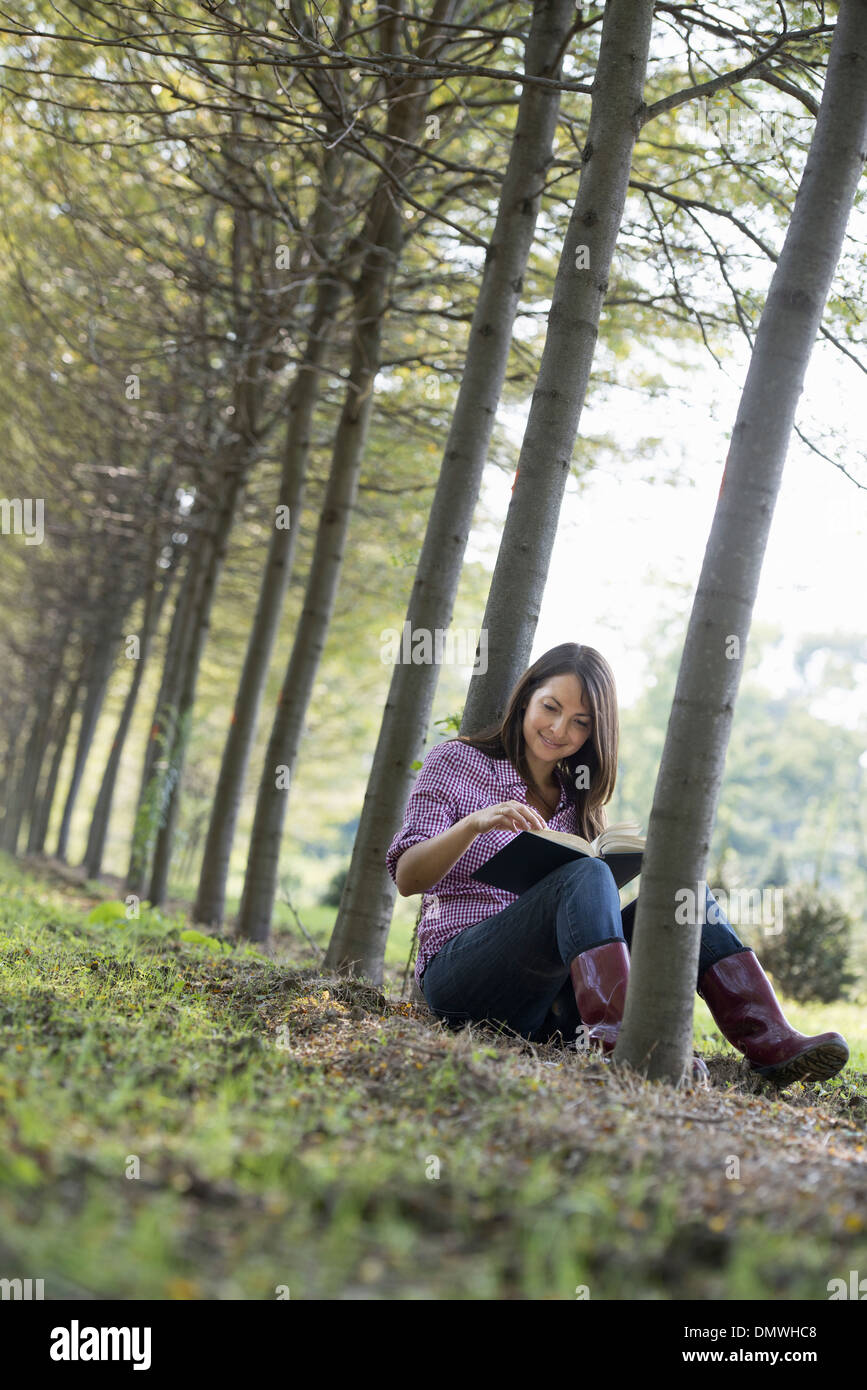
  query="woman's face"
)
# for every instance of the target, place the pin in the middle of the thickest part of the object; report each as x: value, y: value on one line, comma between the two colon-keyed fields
x: 557, y: 720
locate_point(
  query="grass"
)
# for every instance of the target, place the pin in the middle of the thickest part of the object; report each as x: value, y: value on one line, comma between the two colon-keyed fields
x: 187, y: 1119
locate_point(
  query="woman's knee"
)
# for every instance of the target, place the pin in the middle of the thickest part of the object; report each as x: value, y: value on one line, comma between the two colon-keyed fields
x: 589, y: 875
x: 589, y: 909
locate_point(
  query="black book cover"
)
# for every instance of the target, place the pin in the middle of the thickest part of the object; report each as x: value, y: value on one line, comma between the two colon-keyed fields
x: 523, y: 861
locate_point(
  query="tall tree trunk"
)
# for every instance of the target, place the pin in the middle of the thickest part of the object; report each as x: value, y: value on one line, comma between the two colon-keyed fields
x: 236, y: 459
x: 656, y: 1035
x: 144, y: 825
x: 42, y: 729
x: 12, y: 762
x: 524, y: 556
x: 14, y: 789
x: 21, y: 795
x: 361, y: 928
x: 37, y: 750
x: 97, y: 684
x: 383, y: 238
x: 194, y: 646
x: 211, y: 897
x: 153, y: 605
x: 42, y: 813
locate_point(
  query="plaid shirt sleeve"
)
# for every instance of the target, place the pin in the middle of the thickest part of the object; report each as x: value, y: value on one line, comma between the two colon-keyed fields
x: 434, y: 803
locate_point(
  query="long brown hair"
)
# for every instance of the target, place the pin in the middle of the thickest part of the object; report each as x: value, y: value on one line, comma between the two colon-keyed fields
x: 598, y: 754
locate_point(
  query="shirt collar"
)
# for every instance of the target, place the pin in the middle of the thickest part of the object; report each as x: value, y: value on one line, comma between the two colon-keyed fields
x: 508, y: 780
x: 507, y: 777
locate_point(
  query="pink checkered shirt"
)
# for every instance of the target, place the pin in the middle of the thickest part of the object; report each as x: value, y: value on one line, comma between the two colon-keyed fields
x: 454, y: 781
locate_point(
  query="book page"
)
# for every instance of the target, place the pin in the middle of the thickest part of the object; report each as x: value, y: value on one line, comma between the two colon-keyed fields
x: 563, y: 838
x: 623, y: 838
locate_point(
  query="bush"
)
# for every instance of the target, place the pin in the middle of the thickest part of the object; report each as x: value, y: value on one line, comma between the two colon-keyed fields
x: 333, y: 893
x: 809, y: 958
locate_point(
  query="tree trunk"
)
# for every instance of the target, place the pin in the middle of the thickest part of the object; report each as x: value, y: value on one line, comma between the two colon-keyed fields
x: 38, y: 747
x: 12, y: 762
x: 656, y: 1036
x: 97, y: 684
x: 383, y: 238
x: 102, y: 811
x: 193, y: 648
x: 234, y: 462
x: 211, y: 897
x: 361, y: 928
x: 144, y: 828
x: 21, y: 795
x: 42, y: 813
x: 544, y: 463
x: 26, y: 796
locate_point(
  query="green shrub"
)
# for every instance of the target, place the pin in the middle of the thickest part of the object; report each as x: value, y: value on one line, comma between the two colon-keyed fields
x: 809, y: 958
x: 333, y: 893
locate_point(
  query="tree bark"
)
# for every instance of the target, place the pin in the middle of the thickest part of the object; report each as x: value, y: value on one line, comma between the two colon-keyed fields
x: 361, y: 928
x: 12, y: 761
x: 21, y: 796
x: 210, y: 903
x: 656, y: 1035
x: 42, y: 813
x: 234, y: 463
x: 193, y: 648
x: 165, y: 711
x: 97, y: 684
x: 524, y: 556
x: 383, y: 239
x: 25, y: 797
x: 153, y: 605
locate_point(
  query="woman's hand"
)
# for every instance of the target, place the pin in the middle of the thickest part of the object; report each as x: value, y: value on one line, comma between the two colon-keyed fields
x: 508, y: 815
x: 422, y: 866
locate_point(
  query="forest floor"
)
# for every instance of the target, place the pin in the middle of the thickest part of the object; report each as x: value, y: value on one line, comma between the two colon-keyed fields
x: 185, y: 1118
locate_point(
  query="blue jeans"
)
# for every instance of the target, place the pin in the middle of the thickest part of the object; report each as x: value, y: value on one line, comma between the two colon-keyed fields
x: 513, y: 968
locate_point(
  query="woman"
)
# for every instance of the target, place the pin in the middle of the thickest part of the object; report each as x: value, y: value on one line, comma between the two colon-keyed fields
x: 557, y: 957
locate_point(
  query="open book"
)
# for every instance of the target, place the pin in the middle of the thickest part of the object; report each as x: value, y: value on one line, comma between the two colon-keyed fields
x: 534, y: 853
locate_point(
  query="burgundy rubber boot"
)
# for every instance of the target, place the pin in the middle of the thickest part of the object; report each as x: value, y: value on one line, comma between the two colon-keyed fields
x: 745, y: 1009
x: 599, y: 979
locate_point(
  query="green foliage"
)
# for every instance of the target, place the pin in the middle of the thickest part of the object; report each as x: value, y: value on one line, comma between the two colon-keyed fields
x: 809, y: 957
x: 450, y: 723
x: 110, y: 914
x: 200, y: 938
x: 779, y: 874
x: 333, y: 893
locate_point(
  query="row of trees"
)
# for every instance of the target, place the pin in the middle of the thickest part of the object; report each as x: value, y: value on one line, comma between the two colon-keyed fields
x: 266, y: 237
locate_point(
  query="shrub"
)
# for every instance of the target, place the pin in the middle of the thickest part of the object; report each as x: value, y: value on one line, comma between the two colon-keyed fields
x: 332, y: 895
x: 809, y: 958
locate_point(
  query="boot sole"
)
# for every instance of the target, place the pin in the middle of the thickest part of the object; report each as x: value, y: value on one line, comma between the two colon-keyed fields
x: 816, y: 1064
